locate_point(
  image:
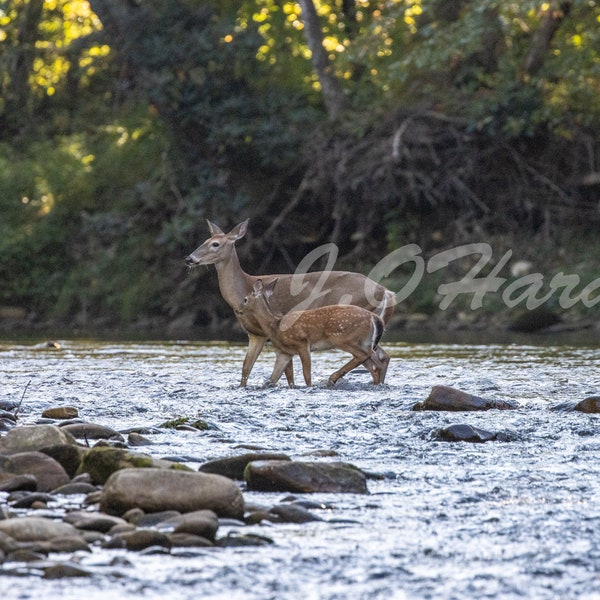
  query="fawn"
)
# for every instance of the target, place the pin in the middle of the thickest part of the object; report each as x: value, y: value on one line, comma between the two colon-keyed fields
x: 346, y: 327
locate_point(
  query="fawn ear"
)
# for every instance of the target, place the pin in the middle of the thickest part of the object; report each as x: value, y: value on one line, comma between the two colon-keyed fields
x: 270, y: 287
x: 258, y: 287
x: 214, y: 229
x: 239, y: 231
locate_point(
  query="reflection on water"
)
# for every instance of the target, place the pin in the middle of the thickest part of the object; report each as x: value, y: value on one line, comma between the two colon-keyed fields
x: 505, y: 520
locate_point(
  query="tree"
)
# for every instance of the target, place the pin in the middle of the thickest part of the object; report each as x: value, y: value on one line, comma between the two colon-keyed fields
x: 17, y: 54
x: 333, y: 94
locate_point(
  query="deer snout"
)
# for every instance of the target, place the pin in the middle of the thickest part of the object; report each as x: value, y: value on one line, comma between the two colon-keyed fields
x: 190, y: 261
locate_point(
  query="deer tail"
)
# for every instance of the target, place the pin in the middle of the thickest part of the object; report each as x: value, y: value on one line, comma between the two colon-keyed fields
x: 378, y: 328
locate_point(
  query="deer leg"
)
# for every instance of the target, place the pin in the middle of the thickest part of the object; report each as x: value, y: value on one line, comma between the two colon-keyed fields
x: 255, y: 345
x: 374, y: 366
x: 289, y: 373
x: 359, y: 357
x: 304, y: 353
x: 282, y: 362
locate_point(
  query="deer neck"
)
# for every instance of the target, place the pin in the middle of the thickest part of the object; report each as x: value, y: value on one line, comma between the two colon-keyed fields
x: 234, y: 283
x: 266, y: 318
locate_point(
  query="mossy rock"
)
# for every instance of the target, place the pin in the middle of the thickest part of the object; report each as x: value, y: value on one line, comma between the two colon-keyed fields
x: 102, y: 461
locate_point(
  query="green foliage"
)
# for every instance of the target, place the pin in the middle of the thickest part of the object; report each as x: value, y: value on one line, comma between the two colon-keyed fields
x: 122, y: 129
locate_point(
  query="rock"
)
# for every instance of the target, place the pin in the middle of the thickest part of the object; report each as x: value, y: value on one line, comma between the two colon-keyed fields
x: 155, y: 490
x: 292, y: 513
x: 188, y: 540
x: 464, y: 433
x: 140, y: 519
x: 443, y: 397
x: 49, y: 473
x: 11, y: 483
x: 32, y: 529
x: 7, y: 424
x: 31, y: 438
x: 29, y: 499
x: 60, y: 413
x: 65, y: 569
x: 534, y: 320
x: 93, y: 521
x: 68, y: 455
x: 589, y: 405
x: 64, y: 544
x: 234, y: 540
x: 101, y: 462
x: 304, y: 477
x: 234, y: 466
x: 74, y: 487
x: 25, y: 555
x: 92, y: 431
x: 8, y: 543
x: 136, y: 439
x: 203, y: 523
x: 143, y: 538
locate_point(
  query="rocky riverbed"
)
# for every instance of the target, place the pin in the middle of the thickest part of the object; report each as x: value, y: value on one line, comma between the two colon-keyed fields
x: 143, y: 469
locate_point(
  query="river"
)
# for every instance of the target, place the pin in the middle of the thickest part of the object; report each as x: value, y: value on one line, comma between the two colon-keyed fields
x: 503, y: 519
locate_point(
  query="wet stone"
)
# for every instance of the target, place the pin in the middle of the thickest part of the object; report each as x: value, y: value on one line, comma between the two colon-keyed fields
x: 234, y: 466
x: 188, y: 540
x: 446, y: 398
x: 77, y: 487
x: 589, y: 405
x: 234, y: 540
x: 65, y: 569
x: 92, y: 431
x: 11, y: 483
x: 292, y: 513
x: 137, y: 439
x: 48, y: 472
x: 464, y: 433
x: 30, y: 438
x: 28, y: 500
x: 60, y: 413
x: 144, y: 538
x: 28, y: 529
x: 155, y: 490
x: 304, y: 477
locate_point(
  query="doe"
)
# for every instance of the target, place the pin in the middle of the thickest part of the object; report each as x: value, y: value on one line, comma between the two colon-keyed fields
x: 350, y: 328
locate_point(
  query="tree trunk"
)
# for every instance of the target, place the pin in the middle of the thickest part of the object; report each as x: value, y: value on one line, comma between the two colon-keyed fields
x: 18, y: 62
x: 333, y: 94
x: 551, y: 20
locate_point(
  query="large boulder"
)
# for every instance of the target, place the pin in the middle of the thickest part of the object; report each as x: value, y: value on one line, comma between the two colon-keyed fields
x: 155, y: 490
x: 443, y: 397
x: 48, y: 473
x: 304, y: 477
x: 30, y: 438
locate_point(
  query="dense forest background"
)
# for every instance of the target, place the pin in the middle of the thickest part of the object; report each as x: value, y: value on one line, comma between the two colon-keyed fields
x: 372, y: 124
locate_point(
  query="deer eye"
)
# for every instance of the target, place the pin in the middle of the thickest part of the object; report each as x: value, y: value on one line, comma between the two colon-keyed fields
x: 215, y: 245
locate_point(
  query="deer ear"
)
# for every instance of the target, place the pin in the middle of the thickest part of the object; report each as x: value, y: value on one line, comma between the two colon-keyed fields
x: 239, y: 231
x: 258, y: 287
x: 214, y: 229
x: 270, y: 287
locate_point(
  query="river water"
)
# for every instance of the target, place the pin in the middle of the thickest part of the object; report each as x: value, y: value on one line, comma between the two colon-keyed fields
x: 512, y: 519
